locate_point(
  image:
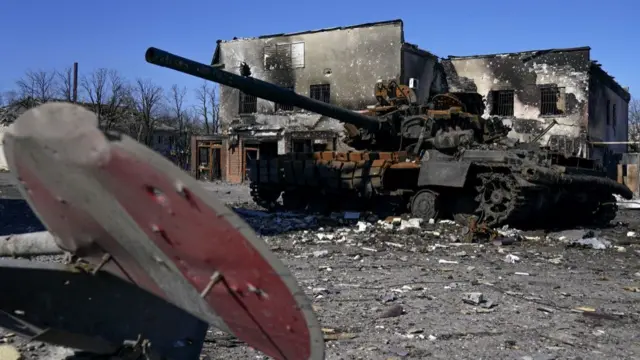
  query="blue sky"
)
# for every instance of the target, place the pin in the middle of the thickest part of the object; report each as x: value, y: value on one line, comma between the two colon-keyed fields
x: 115, y: 34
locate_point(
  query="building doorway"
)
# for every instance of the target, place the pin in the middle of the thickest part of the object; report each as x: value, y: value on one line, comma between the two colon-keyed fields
x: 209, y: 162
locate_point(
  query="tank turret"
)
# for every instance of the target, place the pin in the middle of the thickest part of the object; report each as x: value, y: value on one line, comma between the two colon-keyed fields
x: 396, y: 122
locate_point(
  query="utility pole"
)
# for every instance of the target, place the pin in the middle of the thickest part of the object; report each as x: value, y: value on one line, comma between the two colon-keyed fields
x: 75, y: 82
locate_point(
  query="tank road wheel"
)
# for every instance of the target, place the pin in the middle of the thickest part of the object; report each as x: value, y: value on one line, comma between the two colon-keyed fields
x: 605, y: 211
x: 265, y: 196
x: 424, y: 205
x: 497, y: 198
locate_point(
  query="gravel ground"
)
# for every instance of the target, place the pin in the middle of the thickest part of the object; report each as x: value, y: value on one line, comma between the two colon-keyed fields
x: 386, y: 290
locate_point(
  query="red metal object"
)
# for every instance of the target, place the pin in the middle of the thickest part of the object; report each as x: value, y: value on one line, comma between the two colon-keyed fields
x: 161, y: 229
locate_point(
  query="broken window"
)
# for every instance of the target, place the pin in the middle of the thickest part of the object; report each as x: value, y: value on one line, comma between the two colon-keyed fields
x: 614, y: 115
x: 320, y: 92
x: 552, y: 100
x: 248, y: 104
x: 608, y: 112
x: 502, y: 102
x: 284, y: 56
x: 285, y: 107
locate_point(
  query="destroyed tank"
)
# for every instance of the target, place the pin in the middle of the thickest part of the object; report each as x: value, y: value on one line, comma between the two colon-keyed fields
x: 439, y: 159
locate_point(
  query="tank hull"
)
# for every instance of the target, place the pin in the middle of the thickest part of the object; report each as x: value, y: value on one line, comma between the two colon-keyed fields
x: 499, y: 187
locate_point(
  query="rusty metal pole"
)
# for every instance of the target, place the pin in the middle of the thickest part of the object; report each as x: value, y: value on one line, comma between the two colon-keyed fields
x: 75, y: 82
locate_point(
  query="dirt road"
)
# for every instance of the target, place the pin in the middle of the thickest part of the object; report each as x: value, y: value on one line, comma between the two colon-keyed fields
x: 387, y: 292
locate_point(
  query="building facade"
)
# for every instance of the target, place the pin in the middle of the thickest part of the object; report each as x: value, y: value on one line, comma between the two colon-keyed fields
x: 338, y: 66
x: 533, y: 89
x: 529, y: 90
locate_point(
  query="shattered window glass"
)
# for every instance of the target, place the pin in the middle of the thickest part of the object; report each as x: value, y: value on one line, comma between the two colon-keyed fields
x: 321, y: 92
x: 552, y: 100
x: 248, y: 104
x: 502, y: 102
x: 284, y: 56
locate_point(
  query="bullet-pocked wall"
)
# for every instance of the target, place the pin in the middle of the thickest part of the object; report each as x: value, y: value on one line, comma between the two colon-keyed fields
x: 531, y: 89
x: 342, y: 64
x: 339, y: 65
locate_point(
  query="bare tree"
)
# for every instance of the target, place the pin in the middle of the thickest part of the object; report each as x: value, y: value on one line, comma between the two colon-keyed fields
x: 634, y: 122
x: 109, y: 96
x: 10, y: 97
x: 181, y: 118
x: 65, y: 84
x: 208, y: 108
x: 215, y: 110
x: 37, y: 86
x: 149, y: 101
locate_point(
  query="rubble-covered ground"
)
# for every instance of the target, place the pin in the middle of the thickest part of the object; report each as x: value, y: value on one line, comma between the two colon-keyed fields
x: 388, y: 289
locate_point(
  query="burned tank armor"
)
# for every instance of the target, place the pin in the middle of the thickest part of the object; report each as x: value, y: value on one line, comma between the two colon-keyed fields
x: 435, y: 159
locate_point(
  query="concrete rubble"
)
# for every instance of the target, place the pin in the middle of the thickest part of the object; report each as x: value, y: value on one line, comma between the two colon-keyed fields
x: 401, y: 288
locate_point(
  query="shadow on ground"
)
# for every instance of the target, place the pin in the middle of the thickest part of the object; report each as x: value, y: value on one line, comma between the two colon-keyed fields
x: 16, y: 217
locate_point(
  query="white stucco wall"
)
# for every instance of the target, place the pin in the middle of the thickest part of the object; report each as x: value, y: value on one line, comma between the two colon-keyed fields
x: 3, y: 161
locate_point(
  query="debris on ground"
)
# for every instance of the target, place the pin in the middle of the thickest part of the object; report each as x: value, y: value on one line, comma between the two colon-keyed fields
x: 386, y: 291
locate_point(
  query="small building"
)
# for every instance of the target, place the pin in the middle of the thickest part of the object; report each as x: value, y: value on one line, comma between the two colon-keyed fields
x: 164, y: 138
x: 337, y: 65
x: 532, y: 89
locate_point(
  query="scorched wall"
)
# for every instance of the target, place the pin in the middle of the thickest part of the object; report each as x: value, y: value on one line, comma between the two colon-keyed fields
x: 529, y: 90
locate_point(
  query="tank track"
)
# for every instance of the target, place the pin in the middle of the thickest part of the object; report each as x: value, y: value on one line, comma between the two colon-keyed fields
x: 263, y: 196
x: 500, y: 200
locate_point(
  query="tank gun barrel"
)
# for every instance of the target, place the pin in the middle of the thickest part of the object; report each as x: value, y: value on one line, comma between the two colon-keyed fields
x: 259, y: 88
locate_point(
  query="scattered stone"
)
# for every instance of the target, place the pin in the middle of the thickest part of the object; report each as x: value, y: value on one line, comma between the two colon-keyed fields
x: 411, y: 223
x: 593, y: 243
x: 556, y: 260
x: 389, y: 297
x: 474, y: 298
x: 511, y: 259
x: 442, y: 261
x: 393, y: 311
x: 320, y: 253
x: 539, y: 357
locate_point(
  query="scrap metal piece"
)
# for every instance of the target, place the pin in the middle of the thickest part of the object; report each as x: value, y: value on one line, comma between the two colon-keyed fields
x: 98, y: 313
x: 111, y: 195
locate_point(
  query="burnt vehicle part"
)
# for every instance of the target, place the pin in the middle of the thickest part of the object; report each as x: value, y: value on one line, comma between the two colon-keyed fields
x: 100, y: 314
x: 126, y: 210
x: 438, y: 159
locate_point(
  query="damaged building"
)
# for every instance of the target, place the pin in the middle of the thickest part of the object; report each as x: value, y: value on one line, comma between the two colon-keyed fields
x: 338, y: 66
x: 527, y: 90
x: 530, y: 90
